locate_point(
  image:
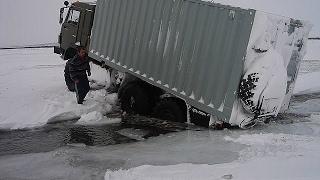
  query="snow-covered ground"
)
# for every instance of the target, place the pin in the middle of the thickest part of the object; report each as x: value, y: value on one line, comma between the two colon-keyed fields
x: 32, y: 91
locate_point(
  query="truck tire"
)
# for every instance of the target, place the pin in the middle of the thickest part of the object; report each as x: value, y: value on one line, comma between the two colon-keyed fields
x: 170, y: 109
x: 134, y: 99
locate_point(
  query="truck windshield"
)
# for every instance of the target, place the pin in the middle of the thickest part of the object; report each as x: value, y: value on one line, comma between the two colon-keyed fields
x: 73, y: 16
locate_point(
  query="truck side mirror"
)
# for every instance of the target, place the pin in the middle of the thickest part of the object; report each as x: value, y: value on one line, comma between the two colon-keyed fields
x: 61, y: 15
x: 66, y: 3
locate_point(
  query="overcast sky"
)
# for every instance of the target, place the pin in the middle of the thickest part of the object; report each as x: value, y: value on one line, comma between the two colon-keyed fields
x: 301, y: 9
x: 27, y: 22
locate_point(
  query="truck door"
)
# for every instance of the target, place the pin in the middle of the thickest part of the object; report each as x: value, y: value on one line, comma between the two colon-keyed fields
x: 70, y: 28
x: 85, y: 25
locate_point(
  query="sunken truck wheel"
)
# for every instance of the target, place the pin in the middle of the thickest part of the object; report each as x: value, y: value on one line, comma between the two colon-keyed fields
x: 170, y: 109
x: 134, y: 99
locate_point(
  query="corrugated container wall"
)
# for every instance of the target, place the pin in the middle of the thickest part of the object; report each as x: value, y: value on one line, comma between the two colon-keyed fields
x: 192, y: 49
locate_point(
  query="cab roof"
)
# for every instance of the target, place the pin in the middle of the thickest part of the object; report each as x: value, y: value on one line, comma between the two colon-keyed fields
x: 90, y: 5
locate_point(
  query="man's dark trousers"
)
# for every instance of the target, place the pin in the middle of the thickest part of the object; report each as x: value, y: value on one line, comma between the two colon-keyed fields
x: 82, y: 87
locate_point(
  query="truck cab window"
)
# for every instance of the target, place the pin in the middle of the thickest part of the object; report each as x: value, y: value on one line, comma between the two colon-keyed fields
x: 73, y: 17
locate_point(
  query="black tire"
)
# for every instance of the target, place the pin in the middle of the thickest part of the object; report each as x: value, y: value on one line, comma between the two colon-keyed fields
x: 170, y: 109
x: 134, y: 99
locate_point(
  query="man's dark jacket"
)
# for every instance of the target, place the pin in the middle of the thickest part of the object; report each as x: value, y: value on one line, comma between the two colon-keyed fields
x: 78, y: 67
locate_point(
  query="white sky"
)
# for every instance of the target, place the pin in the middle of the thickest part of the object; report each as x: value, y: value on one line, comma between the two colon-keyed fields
x: 301, y: 9
x: 27, y: 22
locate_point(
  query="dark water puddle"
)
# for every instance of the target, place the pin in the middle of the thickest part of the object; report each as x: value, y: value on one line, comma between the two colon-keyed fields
x: 53, y: 136
x: 50, y: 137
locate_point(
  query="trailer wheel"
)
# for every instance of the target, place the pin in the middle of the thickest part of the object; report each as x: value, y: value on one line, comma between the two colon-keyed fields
x: 170, y: 109
x: 134, y: 99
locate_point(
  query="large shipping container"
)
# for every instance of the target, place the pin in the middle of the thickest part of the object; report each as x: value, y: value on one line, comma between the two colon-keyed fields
x: 220, y: 59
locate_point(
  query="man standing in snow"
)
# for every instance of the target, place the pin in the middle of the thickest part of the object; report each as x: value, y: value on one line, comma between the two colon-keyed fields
x: 78, y: 68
